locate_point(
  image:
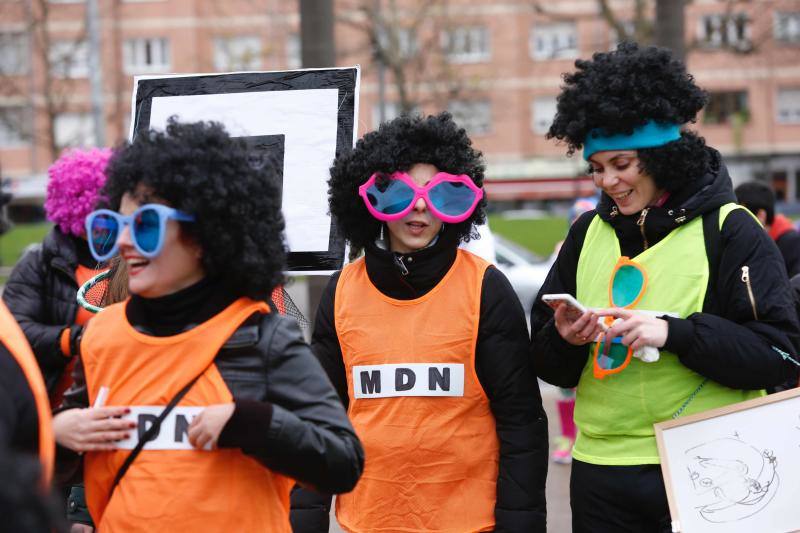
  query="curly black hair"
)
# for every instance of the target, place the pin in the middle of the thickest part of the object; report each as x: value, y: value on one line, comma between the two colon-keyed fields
x: 621, y: 90
x: 199, y: 169
x: 399, y: 145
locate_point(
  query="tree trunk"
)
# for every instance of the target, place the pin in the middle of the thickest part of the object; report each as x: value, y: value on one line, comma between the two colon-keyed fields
x: 670, y: 26
x: 317, y: 47
x: 317, y: 50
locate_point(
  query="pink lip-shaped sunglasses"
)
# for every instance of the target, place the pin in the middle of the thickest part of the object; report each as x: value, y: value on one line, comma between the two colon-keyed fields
x: 392, y: 196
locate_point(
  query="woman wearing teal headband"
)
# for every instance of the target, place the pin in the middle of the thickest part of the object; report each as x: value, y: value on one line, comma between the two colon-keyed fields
x: 689, y: 305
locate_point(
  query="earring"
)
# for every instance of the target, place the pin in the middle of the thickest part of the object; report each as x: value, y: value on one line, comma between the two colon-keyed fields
x: 380, y: 237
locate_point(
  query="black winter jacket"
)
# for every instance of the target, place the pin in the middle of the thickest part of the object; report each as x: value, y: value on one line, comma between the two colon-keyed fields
x: 19, y: 420
x: 733, y: 341
x: 789, y: 245
x: 42, y: 295
x: 502, y: 368
x: 286, y: 414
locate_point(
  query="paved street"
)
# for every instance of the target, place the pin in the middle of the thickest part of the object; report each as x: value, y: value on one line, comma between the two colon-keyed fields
x: 558, y: 513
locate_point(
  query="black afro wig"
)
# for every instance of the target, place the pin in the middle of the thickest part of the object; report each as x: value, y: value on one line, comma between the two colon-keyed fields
x: 622, y: 90
x: 399, y: 145
x: 199, y: 169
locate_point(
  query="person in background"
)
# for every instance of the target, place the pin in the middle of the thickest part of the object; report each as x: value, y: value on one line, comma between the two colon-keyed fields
x: 692, y: 291
x: 562, y: 453
x: 463, y: 447
x: 759, y: 198
x: 247, y: 411
x: 41, y: 291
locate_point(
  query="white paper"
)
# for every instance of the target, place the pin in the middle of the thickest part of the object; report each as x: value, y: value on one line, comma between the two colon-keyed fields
x: 307, y: 119
x: 738, y: 473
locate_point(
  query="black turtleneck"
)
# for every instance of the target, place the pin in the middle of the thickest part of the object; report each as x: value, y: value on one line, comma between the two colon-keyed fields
x: 411, y: 275
x: 179, y: 311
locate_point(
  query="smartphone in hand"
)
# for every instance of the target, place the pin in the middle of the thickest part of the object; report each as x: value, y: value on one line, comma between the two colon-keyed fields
x: 574, y: 308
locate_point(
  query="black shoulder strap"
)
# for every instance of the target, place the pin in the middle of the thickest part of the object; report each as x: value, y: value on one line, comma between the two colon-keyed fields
x: 149, y: 434
x: 711, y: 234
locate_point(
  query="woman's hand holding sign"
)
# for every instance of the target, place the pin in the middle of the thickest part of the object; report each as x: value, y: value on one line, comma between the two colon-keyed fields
x: 92, y: 429
x: 205, y: 429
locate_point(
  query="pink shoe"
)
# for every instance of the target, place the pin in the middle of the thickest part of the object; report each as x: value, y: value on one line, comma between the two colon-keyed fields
x: 563, y: 451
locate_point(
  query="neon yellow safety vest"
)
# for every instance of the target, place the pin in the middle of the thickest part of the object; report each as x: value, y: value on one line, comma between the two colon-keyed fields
x: 615, y: 415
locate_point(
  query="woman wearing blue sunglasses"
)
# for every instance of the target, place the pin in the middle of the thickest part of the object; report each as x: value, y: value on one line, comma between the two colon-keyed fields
x: 201, y: 396
x: 671, y: 264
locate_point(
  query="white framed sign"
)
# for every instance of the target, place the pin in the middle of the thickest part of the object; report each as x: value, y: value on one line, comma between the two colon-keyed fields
x: 735, y: 469
x: 301, y: 119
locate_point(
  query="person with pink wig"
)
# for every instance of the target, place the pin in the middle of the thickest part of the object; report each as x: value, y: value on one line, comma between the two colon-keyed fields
x: 41, y: 291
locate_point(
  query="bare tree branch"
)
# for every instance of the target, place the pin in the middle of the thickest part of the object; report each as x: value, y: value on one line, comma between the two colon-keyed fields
x: 405, y: 40
x: 39, y: 90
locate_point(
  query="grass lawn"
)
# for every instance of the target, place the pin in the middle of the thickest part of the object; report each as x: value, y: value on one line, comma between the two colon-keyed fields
x: 539, y: 235
x: 13, y: 243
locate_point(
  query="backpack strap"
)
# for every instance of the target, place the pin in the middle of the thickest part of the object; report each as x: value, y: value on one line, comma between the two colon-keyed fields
x: 712, y: 229
x: 711, y: 235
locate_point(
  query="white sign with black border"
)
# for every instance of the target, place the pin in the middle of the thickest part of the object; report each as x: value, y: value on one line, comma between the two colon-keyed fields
x: 301, y: 119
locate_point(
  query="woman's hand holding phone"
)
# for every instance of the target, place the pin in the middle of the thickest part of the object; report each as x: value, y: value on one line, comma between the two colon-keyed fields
x: 576, y: 324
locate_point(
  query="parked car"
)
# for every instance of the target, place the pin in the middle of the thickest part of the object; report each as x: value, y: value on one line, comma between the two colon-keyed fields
x: 525, y: 270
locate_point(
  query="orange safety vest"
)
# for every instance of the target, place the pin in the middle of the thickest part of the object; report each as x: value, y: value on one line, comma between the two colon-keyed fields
x: 16, y: 343
x: 173, y: 487
x: 416, y: 403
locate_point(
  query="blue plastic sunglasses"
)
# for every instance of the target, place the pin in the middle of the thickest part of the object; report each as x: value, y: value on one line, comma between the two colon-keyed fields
x: 148, y: 225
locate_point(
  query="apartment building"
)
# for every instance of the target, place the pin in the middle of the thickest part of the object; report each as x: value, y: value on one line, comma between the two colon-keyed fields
x: 495, y: 64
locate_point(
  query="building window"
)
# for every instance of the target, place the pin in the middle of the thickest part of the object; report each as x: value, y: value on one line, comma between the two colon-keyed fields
x: 724, y: 106
x: 474, y: 116
x: 553, y: 41
x: 69, y: 59
x: 13, y: 54
x: 237, y: 53
x: 543, y: 111
x: 469, y: 44
x: 146, y: 56
x: 787, y: 27
x: 391, y: 110
x: 294, y: 58
x: 74, y: 129
x: 789, y: 106
x: 725, y: 31
x: 400, y: 42
x: 13, y: 127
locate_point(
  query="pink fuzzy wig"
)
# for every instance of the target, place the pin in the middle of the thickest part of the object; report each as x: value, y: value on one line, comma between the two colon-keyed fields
x: 74, y: 186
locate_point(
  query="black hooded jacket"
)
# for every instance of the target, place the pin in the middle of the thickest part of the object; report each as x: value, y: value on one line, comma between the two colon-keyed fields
x: 737, y: 341
x: 503, y: 371
x: 41, y: 293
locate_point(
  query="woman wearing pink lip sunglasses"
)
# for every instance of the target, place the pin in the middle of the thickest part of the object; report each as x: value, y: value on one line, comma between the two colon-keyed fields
x: 426, y: 345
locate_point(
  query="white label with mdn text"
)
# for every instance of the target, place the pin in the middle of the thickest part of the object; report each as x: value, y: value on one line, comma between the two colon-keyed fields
x: 410, y: 379
x: 173, y: 433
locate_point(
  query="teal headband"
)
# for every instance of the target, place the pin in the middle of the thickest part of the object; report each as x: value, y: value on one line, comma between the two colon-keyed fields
x: 650, y: 135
